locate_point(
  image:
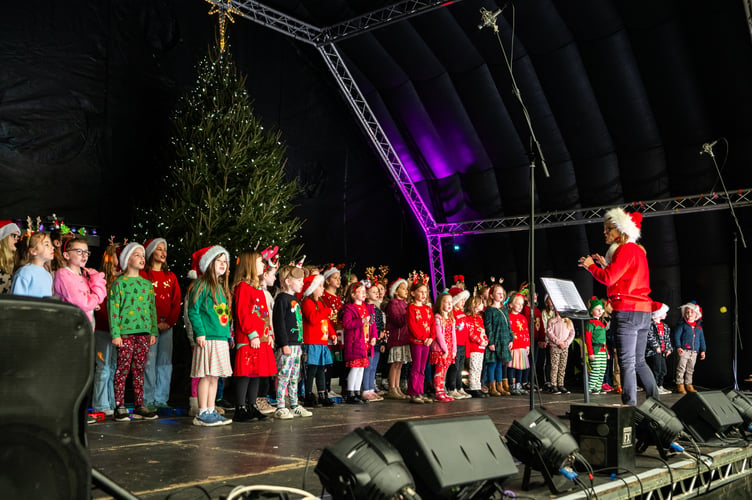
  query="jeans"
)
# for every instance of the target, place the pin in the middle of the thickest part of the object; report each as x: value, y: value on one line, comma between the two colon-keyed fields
x: 631, y: 340
x: 369, y: 375
x: 105, y: 360
x: 158, y: 370
x: 495, y: 371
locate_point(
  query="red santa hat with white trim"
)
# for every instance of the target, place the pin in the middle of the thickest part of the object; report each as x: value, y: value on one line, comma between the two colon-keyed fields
x: 151, y: 245
x: 311, y: 283
x: 694, y: 306
x: 7, y: 228
x: 458, y: 295
x: 395, y: 285
x: 627, y: 223
x: 202, y: 258
x: 658, y: 310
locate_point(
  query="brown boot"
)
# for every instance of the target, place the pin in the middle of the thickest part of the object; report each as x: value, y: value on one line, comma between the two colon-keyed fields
x: 492, y: 391
x: 680, y: 389
x: 503, y: 388
x: 689, y: 388
x: 505, y: 385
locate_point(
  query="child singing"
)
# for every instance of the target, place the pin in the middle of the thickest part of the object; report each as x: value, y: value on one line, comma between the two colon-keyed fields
x: 32, y: 278
x: 419, y: 325
x: 359, y: 338
x: 444, y: 348
x: 316, y: 338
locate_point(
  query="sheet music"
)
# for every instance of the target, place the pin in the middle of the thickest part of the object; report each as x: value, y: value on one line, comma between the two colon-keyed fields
x: 564, y: 295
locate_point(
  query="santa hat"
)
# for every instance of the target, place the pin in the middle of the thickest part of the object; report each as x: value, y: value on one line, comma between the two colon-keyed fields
x: 694, y: 306
x: 458, y: 295
x: 395, y: 285
x: 125, y: 254
x: 311, y: 283
x: 202, y: 258
x: 331, y: 270
x: 658, y: 309
x: 7, y: 228
x: 151, y: 245
x: 628, y: 224
x: 593, y: 303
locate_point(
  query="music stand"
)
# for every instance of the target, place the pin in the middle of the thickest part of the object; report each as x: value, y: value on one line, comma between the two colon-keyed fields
x: 569, y: 304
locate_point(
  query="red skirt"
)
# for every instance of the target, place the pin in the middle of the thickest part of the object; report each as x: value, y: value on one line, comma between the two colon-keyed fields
x: 358, y: 363
x: 437, y: 358
x: 251, y: 362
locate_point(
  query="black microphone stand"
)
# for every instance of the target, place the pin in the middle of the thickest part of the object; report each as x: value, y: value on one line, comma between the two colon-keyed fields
x: 708, y: 148
x: 490, y: 19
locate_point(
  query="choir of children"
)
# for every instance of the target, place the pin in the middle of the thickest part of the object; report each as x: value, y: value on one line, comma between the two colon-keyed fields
x: 310, y: 330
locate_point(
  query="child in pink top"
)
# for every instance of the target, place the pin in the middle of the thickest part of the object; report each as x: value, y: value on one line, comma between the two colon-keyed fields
x: 444, y: 349
x: 77, y: 284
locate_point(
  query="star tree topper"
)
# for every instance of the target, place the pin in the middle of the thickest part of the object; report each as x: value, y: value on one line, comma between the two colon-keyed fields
x: 223, y: 9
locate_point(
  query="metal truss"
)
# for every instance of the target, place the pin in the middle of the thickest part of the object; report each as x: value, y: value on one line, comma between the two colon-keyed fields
x: 380, y: 18
x: 654, y: 208
x: 436, y: 261
x: 276, y: 20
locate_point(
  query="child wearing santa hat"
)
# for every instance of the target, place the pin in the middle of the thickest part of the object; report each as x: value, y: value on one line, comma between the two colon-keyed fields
x: 9, y: 235
x: 316, y: 338
x: 659, y: 345
x: 209, y: 314
x: 133, y: 326
x: 689, y: 339
x: 158, y: 370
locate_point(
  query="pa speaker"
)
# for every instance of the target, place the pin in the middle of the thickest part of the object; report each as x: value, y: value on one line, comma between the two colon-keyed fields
x: 605, y: 434
x: 450, y: 458
x: 46, y: 365
x: 705, y: 414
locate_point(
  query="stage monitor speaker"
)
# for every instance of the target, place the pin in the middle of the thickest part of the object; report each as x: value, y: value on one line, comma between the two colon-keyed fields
x: 451, y: 458
x: 605, y: 434
x: 46, y: 369
x: 705, y: 414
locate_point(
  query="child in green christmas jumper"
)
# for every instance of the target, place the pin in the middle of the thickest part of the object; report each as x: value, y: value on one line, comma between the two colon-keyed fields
x: 133, y: 326
x: 209, y: 314
x: 595, y: 340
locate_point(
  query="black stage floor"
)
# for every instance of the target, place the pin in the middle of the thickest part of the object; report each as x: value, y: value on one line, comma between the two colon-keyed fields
x: 171, y: 457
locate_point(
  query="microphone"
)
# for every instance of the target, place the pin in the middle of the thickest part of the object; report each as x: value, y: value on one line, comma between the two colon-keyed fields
x: 708, y: 147
x: 488, y: 18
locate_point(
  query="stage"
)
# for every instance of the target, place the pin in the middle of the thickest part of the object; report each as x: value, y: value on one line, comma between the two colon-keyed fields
x: 171, y: 457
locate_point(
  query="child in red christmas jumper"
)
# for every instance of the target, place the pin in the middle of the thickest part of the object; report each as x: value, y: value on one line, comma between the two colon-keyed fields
x: 133, y: 326
x: 268, y: 278
x: 158, y: 369
x: 595, y: 340
x: 477, y: 340
x: 520, y: 345
x: 444, y: 348
x: 254, y: 358
x: 316, y: 338
x: 454, y: 373
x: 398, y: 341
x: 419, y: 325
x: 359, y: 338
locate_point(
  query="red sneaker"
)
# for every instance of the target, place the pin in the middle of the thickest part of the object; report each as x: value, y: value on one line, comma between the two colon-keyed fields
x: 607, y: 388
x: 618, y: 390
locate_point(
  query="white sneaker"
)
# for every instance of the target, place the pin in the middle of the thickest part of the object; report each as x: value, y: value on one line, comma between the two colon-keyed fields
x: 264, y: 407
x: 662, y: 390
x: 283, y: 414
x: 299, y: 411
x: 333, y: 395
x: 464, y: 394
x: 454, y: 394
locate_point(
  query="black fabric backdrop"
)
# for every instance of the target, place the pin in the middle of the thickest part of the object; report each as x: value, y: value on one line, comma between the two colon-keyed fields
x: 623, y: 94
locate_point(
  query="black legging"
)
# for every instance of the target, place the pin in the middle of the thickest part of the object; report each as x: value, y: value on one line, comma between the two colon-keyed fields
x: 317, y: 373
x: 246, y: 390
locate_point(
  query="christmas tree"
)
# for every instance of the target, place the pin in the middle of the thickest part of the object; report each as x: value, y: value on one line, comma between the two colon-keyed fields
x: 226, y: 185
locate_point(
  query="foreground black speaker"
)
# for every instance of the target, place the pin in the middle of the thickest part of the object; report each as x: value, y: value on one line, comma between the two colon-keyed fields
x: 46, y: 369
x: 605, y: 434
x: 453, y: 458
x: 706, y: 414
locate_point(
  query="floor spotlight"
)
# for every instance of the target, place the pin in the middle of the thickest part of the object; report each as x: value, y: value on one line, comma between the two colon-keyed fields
x: 656, y: 424
x: 363, y: 465
x: 542, y: 442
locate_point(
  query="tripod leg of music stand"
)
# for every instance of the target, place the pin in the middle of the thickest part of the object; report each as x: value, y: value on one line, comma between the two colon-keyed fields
x: 526, y: 478
x: 110, y: 487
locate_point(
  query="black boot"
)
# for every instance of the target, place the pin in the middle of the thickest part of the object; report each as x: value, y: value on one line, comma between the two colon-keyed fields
x: 362, y: 401
x: 255, y: 413
x: 353, y: 399
x: 310, y: 400
x: 241, y: 414
x: 324, y: 400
